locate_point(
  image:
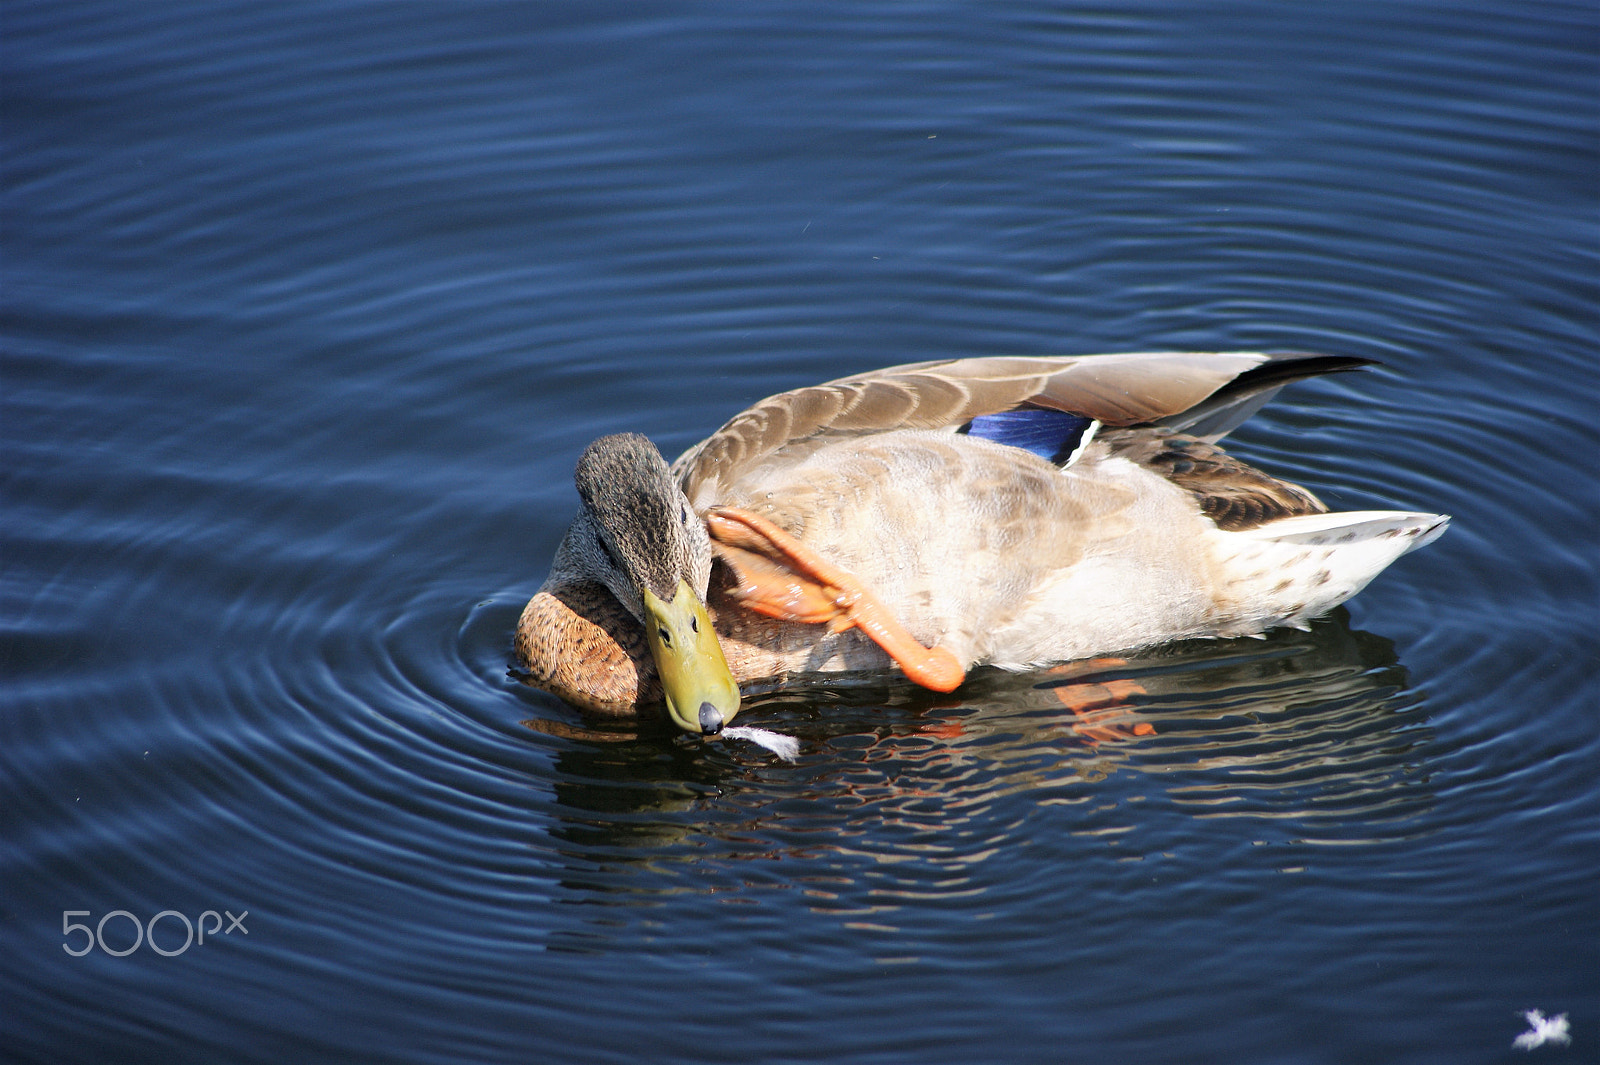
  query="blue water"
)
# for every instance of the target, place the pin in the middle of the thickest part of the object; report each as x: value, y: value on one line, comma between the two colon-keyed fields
x: 308, y: 309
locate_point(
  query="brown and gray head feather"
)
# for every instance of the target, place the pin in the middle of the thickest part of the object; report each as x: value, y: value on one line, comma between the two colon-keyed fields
x: 638, y: 520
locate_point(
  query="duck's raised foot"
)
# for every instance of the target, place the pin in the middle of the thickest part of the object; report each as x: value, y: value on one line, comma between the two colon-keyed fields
x: 780, y: 577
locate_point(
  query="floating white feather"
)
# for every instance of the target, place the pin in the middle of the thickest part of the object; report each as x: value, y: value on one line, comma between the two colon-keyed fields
x: 785, y: 747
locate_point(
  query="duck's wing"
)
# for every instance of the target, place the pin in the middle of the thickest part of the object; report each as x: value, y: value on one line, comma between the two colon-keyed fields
x: 1202, y: 393
x: 1229, y: 406
x: 1233, y: 494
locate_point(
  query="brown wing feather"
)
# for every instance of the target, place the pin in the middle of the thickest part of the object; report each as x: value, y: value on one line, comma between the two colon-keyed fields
x: 1231, y: 493
x: 1115, y: 389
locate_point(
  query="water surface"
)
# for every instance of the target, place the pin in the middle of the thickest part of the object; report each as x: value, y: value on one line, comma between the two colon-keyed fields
x: 309, y: 309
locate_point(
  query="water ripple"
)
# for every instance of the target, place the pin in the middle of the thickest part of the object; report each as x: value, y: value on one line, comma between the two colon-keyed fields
x: 309, y: 312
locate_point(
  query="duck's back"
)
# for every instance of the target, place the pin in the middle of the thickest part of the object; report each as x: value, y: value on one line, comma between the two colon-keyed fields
x: 1006, y: 559
x: 992, y: 552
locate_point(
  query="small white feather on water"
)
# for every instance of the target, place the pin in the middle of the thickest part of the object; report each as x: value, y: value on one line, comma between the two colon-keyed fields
x: 1544, y: 1030
x: 785, y: 747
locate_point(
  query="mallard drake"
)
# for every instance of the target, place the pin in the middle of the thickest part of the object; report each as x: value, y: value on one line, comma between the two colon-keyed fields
x: 934, y: 517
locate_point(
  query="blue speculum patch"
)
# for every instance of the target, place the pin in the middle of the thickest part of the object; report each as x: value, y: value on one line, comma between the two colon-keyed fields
x: 1053, y: 435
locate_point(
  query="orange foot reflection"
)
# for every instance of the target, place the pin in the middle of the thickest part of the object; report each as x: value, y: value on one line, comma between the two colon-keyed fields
x: 1101, y: 707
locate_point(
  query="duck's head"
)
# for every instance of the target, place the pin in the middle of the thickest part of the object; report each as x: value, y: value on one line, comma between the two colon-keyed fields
x: 637, y: 534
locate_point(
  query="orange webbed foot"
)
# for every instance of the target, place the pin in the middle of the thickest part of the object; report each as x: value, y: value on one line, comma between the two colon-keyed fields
x: 780, y: 577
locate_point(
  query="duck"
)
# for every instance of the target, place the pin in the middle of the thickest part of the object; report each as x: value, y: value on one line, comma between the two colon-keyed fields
x: 934, y: 518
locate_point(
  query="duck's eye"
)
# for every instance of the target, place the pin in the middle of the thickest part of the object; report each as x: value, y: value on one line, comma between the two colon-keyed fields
x: 694, y: 623
x: 683, y: 514
x: 666, y: 637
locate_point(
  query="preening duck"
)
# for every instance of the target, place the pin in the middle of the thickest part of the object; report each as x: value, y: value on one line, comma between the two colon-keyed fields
x: 935, y: 517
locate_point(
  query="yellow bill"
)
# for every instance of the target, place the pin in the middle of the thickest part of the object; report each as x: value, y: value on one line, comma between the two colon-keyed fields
x: 700, y: 690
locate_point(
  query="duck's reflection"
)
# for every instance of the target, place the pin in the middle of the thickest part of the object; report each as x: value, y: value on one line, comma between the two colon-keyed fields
x: 1314, y: 726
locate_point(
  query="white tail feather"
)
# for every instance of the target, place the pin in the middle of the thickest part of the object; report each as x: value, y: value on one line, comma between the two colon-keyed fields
x: 1296, y: 568
x: 1352, y: 526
